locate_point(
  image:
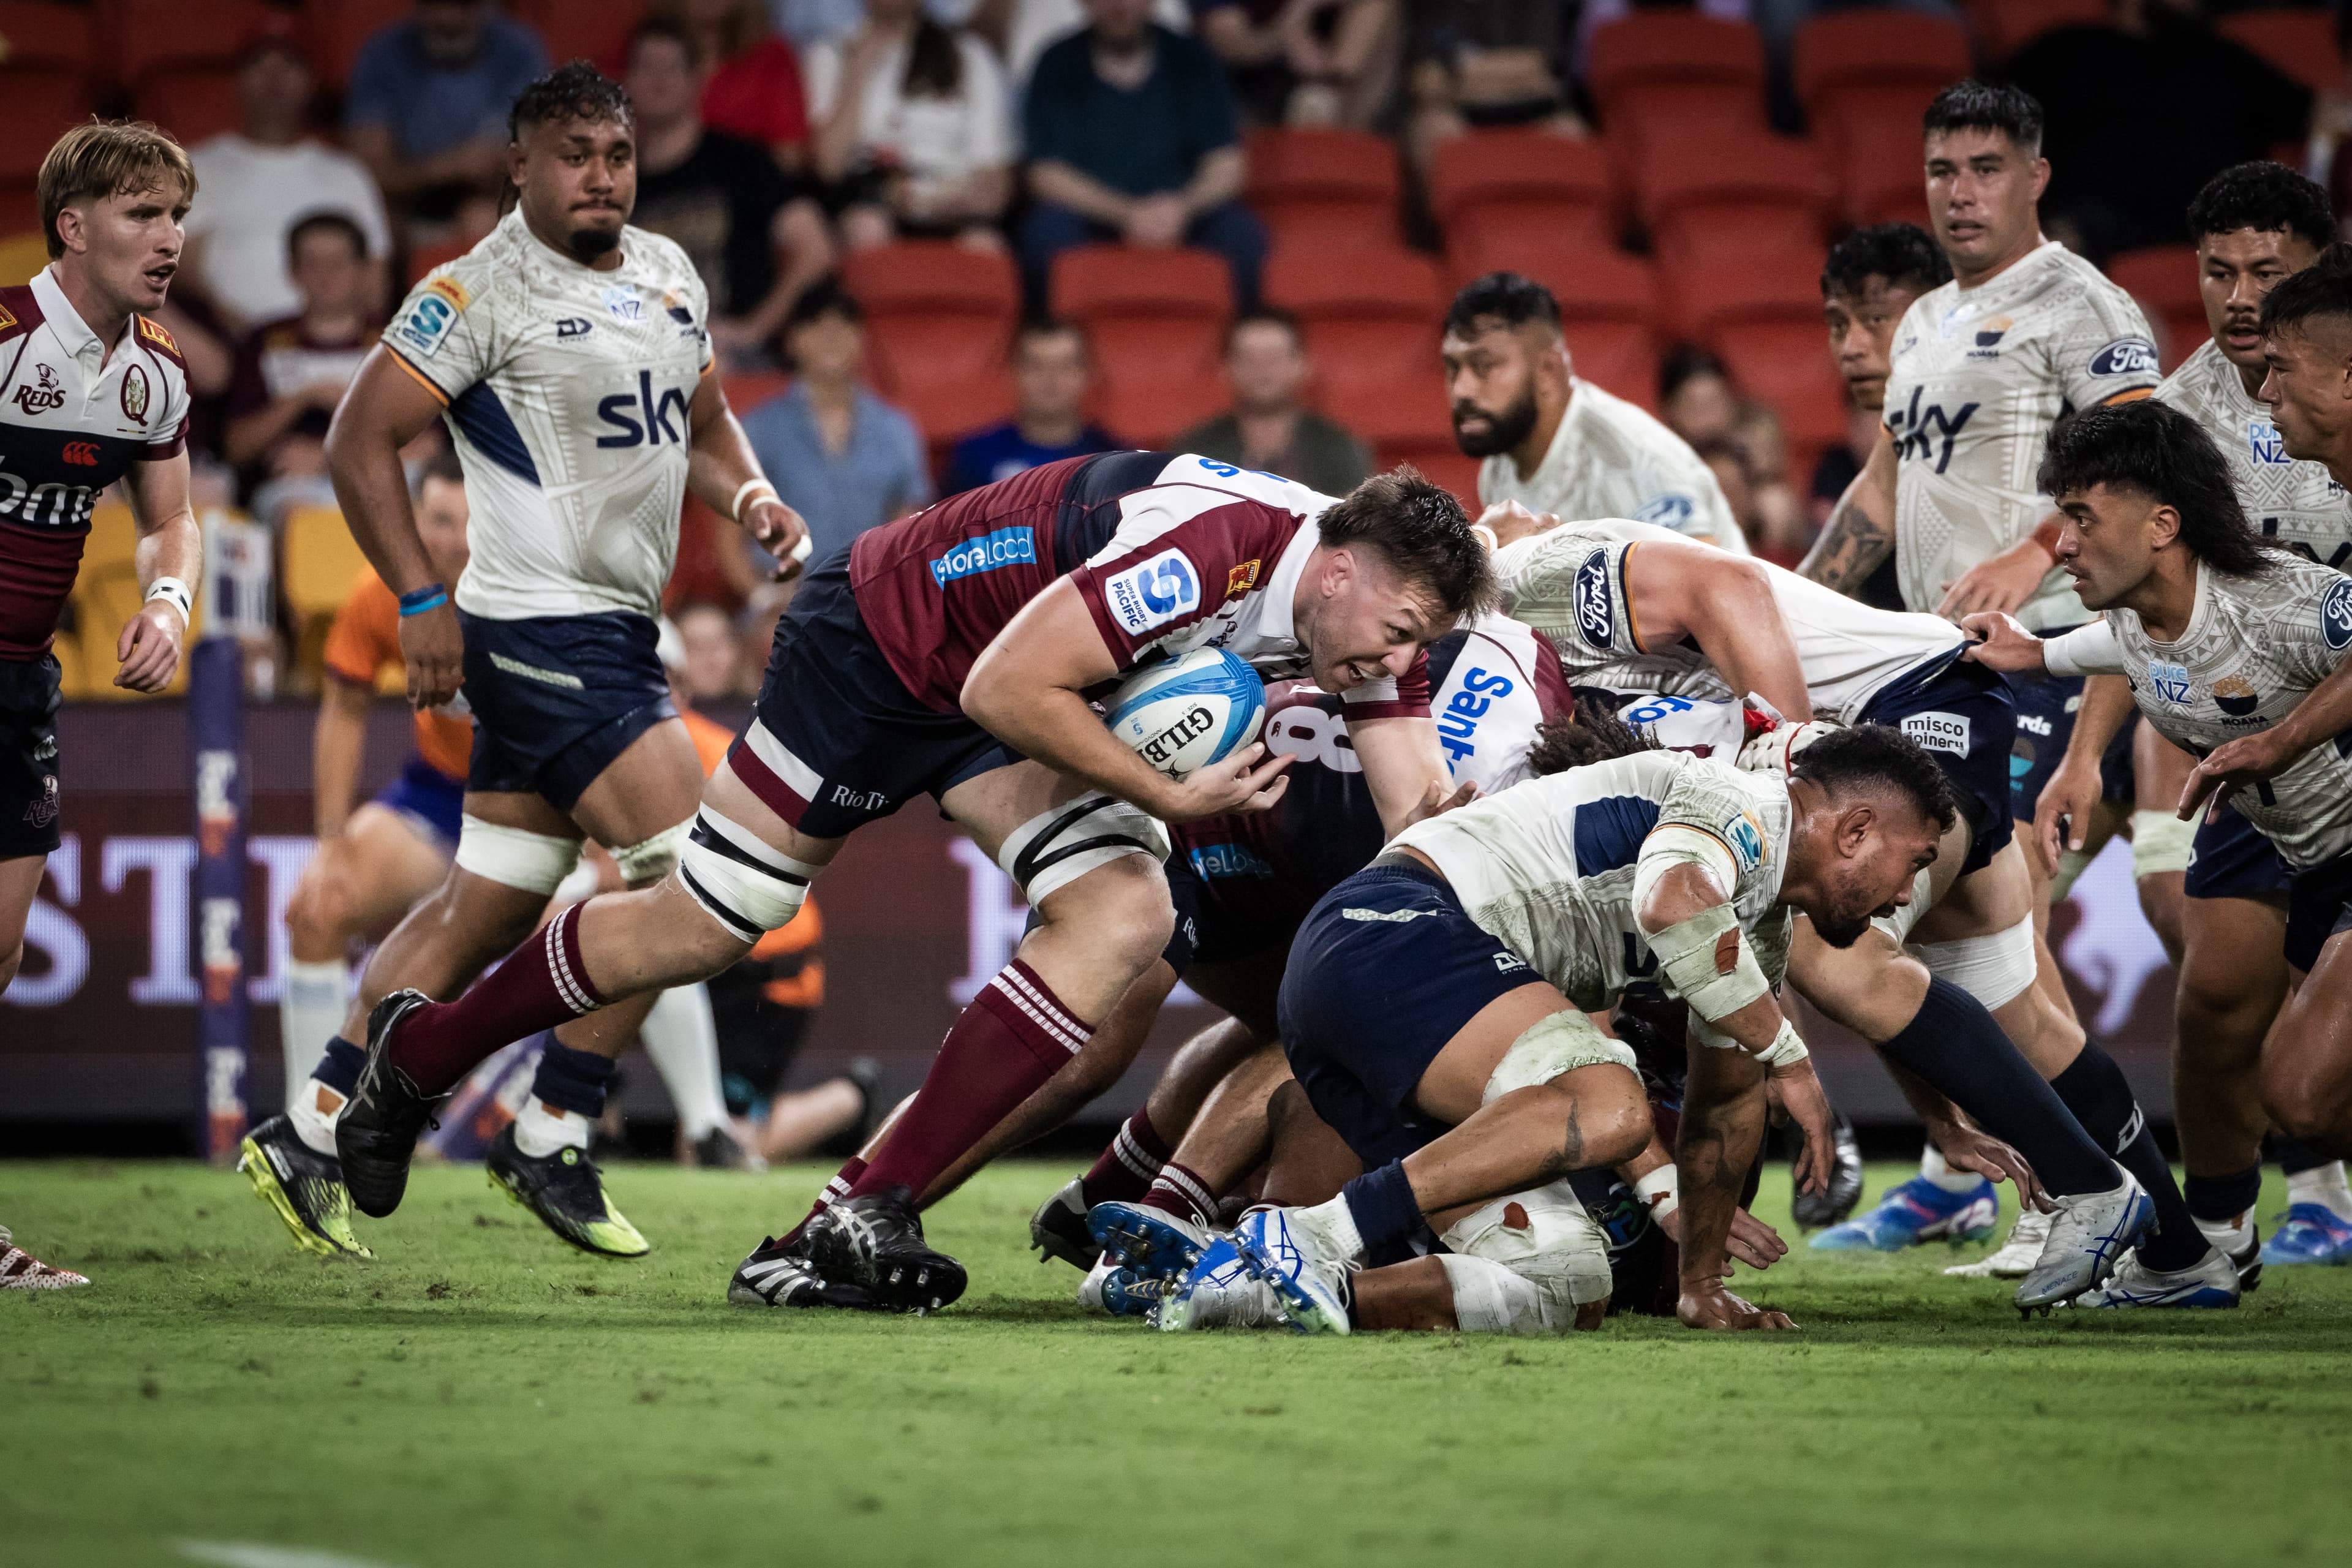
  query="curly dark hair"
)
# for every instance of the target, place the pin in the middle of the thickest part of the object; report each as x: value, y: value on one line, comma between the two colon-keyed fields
x: 575, y: 90
x: 2322, y: 289
x: 1974, y: 105
x: 1588, y: 734
x: 2264, y: 196
x: 2156, y: 449
x: 1504, y: 296
x: 1875, y: 756
x: 1420, y: 528
x: 1904, y: 254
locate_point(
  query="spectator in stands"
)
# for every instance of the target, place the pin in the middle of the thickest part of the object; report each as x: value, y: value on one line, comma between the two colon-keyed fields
x: 1269, y: 429
x: 808, y: 23
x: 2143, y: 109
x: 291, y: 373
x: 1051, y: 366
x: 912, y: 129
x: 1696, y: 396
x: 709, y: 634
x: 757, y: 239
x: 752, y: 86
x: 842, y: 457
x: 426, y: 108
x: 253, y: 182
x: 1307, y: 62
x: 1024, y: 29
x: 1476, y: 63
x: 1741, y: 441
x: 1133, y: 136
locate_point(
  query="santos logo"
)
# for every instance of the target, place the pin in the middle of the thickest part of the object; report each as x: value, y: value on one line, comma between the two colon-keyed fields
x: 1457, y: 721
x: 1005, y: 547
x: 1195, y: 722
x: 643, y: 417
x: 1155, y: 592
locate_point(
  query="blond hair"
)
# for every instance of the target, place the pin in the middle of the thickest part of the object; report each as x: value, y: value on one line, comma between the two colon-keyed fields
x: 107, y: 158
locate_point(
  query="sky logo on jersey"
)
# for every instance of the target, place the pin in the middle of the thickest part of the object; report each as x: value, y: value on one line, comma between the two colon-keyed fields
x: 1213, y: 861
x: 1596, y: 610
x: 1457, y: 722
x: 1153, y: 594
x: 2265, y: 441
x: 2169, y: 681
x: 1668, y: 511
x: 643, y: 417
x: 2125, y: 356
x: 1744, y: 835
x: 990, y: 552
x: 2335, y: 615
x: 1918, y: 431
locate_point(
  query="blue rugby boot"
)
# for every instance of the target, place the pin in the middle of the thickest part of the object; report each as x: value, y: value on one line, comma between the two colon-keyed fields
x: 1916, y: 1211
x: 2312, y: 1232
x: 1154, y: 1243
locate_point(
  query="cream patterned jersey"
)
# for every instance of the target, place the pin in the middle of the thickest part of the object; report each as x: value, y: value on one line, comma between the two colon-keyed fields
x: 1609, y: 458
x: 567, y: 391
x: 1570, y: 584
x: 2252, y: 649
x: 1980, y: 377
x: 1547, y: 867
x: 2295, y: 503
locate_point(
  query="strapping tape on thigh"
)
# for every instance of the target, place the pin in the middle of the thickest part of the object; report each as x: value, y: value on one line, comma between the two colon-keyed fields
x: 1054, y: 848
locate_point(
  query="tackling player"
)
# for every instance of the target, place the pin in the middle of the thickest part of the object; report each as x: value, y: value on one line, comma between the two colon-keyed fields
x: 1556, y: 443
x: 569, y: 355
x: 950, y: 653
x: 2254, y: 226
x: 2235, y: 651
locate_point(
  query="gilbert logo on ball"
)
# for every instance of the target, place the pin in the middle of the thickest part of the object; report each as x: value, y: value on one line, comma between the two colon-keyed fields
x: 1191, y: 712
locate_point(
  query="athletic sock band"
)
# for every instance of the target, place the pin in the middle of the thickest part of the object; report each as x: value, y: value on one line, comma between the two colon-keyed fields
x: 2095, y: 1091
x: 2223, y: 1197
x: 339, y: 1069
x: 572, y: 1081
x: 1383, y: 1206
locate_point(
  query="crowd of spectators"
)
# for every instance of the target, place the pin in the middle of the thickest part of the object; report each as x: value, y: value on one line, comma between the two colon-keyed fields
x: 778, y: 137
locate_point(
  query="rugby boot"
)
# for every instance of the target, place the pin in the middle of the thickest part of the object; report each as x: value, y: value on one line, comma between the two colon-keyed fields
x: 1058, y: 1228
x: 2013, y: 1258
x: 302, y: 1187
x: 2211, y: 1281
x: 1153, y: 1242
x: 2089, y: 1236
x: 566, y: 1191
x: 1811, y: 1211
x: 2311, y: 1232
x: 1311, y: 1278
x: 375, y: 1137
x: 1915, y: 1212
x: 876, y: 1242
x: 1220, y: 1292
x: 778, y: 1274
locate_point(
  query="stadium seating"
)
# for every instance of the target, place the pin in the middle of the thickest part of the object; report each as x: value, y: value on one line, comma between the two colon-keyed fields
x: 41, y: 34
x: 104, y: 599
x: 1157, y: 320
x: 1438, y: 459
x: 1324, y: 190
x: 2300, y: 42
x: 1371, y: 320
x: 148, y: 37
x: 318, y: 561
x: 1763, y: 317
x: 338, y: 28
x: 1709, y: 190
x: 940, y: 322
x: 193, y: 103
x: 1609, y: 314
x: 747, y: 389
x: 22, y: 255
x: 2003, y: 27
x: 575, y: 30
x: 1864, y: 78
x: 1501, y: 194
x: 2163, y: 279
x: 1882, y: 176
x: 1672, y: 68
x: 113, y: 538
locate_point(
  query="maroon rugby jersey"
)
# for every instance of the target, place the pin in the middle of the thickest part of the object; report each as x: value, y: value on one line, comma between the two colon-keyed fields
x: 73, y: 418
x: 1170, y: 553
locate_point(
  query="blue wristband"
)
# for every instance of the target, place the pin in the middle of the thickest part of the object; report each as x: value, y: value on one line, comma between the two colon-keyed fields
x: 416, y: 601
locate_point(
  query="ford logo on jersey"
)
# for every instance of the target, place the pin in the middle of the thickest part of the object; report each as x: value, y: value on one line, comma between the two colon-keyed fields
x: 1596, y: 614
x: 2125, y: 356
x: 1005, y: 547
x: 621, y: 412
x: 1153, y: 594
x: 2336, y: 615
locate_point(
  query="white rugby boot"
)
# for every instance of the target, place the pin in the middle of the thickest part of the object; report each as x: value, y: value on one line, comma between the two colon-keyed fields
x: 2211, y: 1281
x: 2088, y: 1237
x: 2013, y: 1258
x: 1308, y: 1271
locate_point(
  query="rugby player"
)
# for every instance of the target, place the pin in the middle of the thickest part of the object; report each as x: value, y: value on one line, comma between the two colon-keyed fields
x: 1554, y: 443
x: 950, y: 653
x: 1433, y: 1011
x: 2234, y: 650
x: 569, y: 355
x: 90, y: 392
x: 2253, y: 224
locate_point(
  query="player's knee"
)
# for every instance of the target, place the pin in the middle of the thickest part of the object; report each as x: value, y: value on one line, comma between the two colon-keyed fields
x: 1545, y: 1237
x: 1616, y: 1121
x: 746, y: 885
x: 1092, y: 866
x: 650, y: 859
x: 1121, y: 911
x: 319, y: 915
x: 2306, y: 1101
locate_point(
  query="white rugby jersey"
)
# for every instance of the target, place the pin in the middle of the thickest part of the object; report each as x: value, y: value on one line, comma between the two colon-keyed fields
x: 1570, y: 584
x: 1547, y: 867
x: 1610, y: 459
x: 1978, y: 377
x: 2295, y: 503
x: 567, y: 391
x: 2252, y: 649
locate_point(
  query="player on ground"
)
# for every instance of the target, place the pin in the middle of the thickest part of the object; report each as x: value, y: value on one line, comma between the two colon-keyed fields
x: 570, y: 356
x: 2254, y: 226
x: 1556, y: 443
x: 2235, y: 651
x: 90, y: 392
x: 950, y: 653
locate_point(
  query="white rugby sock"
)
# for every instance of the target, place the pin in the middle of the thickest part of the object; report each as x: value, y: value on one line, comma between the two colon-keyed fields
x: 1488, y: 1299
x: 683, y: 1039
x: 1932, y: 1168
x: 1337, y: 1221
x: 310, y: 1013
x: 2324, y: 1185
x: 542, y: 1130
x: 313, y: 1125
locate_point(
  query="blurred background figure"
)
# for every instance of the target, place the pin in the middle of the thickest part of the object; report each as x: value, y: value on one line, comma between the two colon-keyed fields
x: 291, y: 373
x: 426, y: 106
x: 1742, y: 445
x: 1052, y: 371
x: 1480, y: 63
x: 1307, y: 62
x: 1268, y: 427
x: 752, y: 85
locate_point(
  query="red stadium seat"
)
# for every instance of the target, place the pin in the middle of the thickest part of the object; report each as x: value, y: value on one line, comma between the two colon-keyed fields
x: 1370, y: 319
x: 747, y: 389
x: 1882, y: 174
x: 1437, y: 457
x: 1709, y: 190
x: 1867, y: 75
x: 42, y: 107
x: 2163, y: 279
x: 2003, y: 27
x: 338, y: 28
x: 41, y: 33
x: 574, y: 31
x: 1501, y: 194
x: 1762, y: 316
x: 1655, y: 69
x: 192, y: 103
x: 938, y: 329
x: 145, y: 36
x: 1325, y: 190
x: 1157, y: 319
x: 2302, y: 44
x: 1609, y: 314
x: 20, y: 207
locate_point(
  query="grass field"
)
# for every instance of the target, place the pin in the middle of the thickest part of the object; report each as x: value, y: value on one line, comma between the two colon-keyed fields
x: 481, y: 1395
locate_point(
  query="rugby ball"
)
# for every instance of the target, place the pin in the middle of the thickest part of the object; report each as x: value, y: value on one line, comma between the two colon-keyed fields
x: 1190, y: 711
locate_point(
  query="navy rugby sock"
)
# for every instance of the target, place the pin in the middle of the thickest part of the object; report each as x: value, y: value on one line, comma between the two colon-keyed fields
x: 2095, y: 1089
x: 1382, y: 1204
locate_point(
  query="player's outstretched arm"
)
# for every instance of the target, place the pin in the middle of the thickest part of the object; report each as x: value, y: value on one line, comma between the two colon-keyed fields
x: 1026, y: 688
x: 2073, y: 791
x: 387, y: 408
x: 1861, y: 532
x: 171, y: 554
x: 1405, y: 770
x: 1677, y: 588
x: 2324, y: 713
x: 2002, y: 582
x: 723, y: 471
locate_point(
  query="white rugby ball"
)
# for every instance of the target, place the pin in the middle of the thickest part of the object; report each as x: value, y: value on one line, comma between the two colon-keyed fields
x: 1191, y: 712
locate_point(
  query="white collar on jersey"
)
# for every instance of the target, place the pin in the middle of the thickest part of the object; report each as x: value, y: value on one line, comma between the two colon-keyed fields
x: 1277, y: 620
x: 73, y: 333
x: 562, y: 260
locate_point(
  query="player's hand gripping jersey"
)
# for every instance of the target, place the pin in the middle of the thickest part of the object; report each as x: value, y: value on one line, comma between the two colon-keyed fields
x: 2295, y: 503
x: 567, y: 391
x: 1978, y: 377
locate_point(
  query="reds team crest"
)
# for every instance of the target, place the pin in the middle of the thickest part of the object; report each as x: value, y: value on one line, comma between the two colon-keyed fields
x: 134, y: 395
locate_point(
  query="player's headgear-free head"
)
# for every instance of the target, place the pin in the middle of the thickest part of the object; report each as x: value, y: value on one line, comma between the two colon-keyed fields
x: 2154, y: 450
x: 1904, y: 254
x: 1987, y: 106
x: 92, y: 162
x: 2262, y: 196
x: 1419, y: 529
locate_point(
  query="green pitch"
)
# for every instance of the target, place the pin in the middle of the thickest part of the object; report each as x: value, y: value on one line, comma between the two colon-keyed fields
x: 482, y: 1395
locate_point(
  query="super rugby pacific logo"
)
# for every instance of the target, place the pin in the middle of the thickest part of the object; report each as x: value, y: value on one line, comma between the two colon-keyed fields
x: 1153, y: 594
x: 1596, y: 613
x: 2336, y: 615
x: 989, y: 552
x: 2125, y: 356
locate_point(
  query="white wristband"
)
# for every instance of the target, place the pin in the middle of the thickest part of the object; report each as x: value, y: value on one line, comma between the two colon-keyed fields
x: 1787, y: 1046
x: 177, y: 593
x: 745, y: 490
x: 1662, y: 1190
x: 1482, y: 531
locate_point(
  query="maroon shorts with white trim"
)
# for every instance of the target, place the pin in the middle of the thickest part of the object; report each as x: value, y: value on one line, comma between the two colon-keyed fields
x: 837, y: 741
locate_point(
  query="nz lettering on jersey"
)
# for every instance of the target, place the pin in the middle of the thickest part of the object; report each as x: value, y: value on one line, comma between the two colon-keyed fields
x: 1921, y: 431
x: 2265, y: 442
x: 1457, y: 722
x: 644, y: 417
